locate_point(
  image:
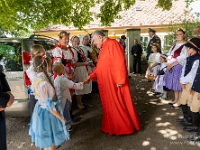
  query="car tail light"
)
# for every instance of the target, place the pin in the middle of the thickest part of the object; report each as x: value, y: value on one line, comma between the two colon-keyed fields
x: 26, y: 62
x: 27, y: 80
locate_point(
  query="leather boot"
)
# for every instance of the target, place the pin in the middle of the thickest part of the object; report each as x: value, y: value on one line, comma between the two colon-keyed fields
x: 73, y: 118
x: 195, y: 126
x: 185, y: 112
x: 189, y: 114
x: 195, y: 138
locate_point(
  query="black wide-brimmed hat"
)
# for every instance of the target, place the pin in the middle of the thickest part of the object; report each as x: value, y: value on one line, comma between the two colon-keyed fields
x: 152, y: 30
x: 123, y: 37
x: 193, y: 43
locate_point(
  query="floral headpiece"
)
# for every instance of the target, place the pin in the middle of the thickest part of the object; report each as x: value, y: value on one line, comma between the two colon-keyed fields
x: 155, y: 44
x: 63, y: 33
x: 180, y: 29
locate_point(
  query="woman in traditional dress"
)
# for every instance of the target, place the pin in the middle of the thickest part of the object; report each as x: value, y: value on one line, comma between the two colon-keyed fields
x: 81, y: 70
x: 176, y: 57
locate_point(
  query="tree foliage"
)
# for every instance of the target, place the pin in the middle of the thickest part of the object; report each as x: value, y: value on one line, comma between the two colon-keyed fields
x: 19, y: 15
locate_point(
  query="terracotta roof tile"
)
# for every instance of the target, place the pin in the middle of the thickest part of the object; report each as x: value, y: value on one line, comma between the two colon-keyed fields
x: 149, y: 15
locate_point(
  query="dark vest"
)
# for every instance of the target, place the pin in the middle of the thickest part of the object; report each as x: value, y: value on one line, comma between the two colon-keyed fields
x: 196, y: 84
x: 189, y: 63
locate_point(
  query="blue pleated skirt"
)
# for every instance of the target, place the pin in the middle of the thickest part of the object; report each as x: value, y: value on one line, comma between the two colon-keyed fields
x: 46, y: 129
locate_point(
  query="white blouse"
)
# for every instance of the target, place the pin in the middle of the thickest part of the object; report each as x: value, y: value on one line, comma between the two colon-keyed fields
x: 31, y: 73
x: 62, y: 85
x: 154, y: 57
x: 42, y: 90
x: 189, y: 78
x: 57, y: 52
x: 86, y: 49
x: 183, y: 55
x: 76, y: 51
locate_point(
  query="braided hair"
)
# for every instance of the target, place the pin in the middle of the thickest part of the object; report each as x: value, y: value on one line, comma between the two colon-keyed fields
x: 41, y: 64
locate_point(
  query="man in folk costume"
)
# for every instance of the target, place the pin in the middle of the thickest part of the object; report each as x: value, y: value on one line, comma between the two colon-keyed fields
x: 153, y: 39
x: 119, y: 113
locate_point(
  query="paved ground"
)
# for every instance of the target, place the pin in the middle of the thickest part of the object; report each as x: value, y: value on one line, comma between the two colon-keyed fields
x: 159, y: 128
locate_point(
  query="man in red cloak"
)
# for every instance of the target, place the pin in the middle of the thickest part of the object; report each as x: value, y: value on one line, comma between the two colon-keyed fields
x: 119, y: 113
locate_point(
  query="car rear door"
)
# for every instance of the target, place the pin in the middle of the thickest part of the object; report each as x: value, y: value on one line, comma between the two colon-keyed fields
x: 11, y: 63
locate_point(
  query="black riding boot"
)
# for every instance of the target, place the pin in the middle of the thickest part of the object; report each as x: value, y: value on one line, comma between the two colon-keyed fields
x: 195, y: 125
x: 196, y: 137
x: 187, y: 120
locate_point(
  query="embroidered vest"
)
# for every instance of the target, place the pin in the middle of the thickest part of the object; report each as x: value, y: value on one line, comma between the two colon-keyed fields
x: 189, y: 63
x: 177, y: 51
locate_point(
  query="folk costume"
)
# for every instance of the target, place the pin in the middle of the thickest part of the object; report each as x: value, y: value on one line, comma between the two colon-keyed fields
x: 45, y: 128
x: 153, y: 58
x: 64, y: 55
x: 158, y: 84
x: 63, y: 86
x: 29, y: 76
x: 189, y: 71
x: 81, y: 71
x: 119, y: 113
x: 190, y: 79
x: 177, y: 52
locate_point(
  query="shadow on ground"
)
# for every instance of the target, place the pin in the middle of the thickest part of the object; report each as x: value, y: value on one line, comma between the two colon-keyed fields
x: 159, y: 130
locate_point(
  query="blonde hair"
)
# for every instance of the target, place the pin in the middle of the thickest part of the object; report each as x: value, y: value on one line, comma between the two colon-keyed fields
x: 36, y: 49
x: 57, y: 66
x: 40, y: 64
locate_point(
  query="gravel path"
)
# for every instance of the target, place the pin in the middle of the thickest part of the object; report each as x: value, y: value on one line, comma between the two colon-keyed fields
x: 159, y: 129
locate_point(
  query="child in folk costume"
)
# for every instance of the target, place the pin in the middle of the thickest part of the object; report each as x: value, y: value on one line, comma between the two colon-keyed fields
x: 35, y: 50
x: 47, y: 128
x: 154, y: 60
x: 158, y: 84
x: 62, y: 85
x: 189, y: 80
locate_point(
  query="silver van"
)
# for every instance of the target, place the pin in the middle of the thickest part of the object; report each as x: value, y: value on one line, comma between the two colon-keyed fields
x: 11, y: 62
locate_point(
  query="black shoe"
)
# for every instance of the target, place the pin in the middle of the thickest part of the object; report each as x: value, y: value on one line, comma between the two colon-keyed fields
x: 70, y: 129
x: 184, y: 124
x: 58, y: 147
x: 171, y: 104
x: 84, y: 104
x: 195, y: 138
x: 191, y: 129
x: 75, y: 119
x: 181, y: 120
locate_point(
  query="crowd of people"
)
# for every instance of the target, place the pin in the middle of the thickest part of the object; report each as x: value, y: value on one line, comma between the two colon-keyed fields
x: 178, y: 71
x: 71, y: 70
x: 68, y: 73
